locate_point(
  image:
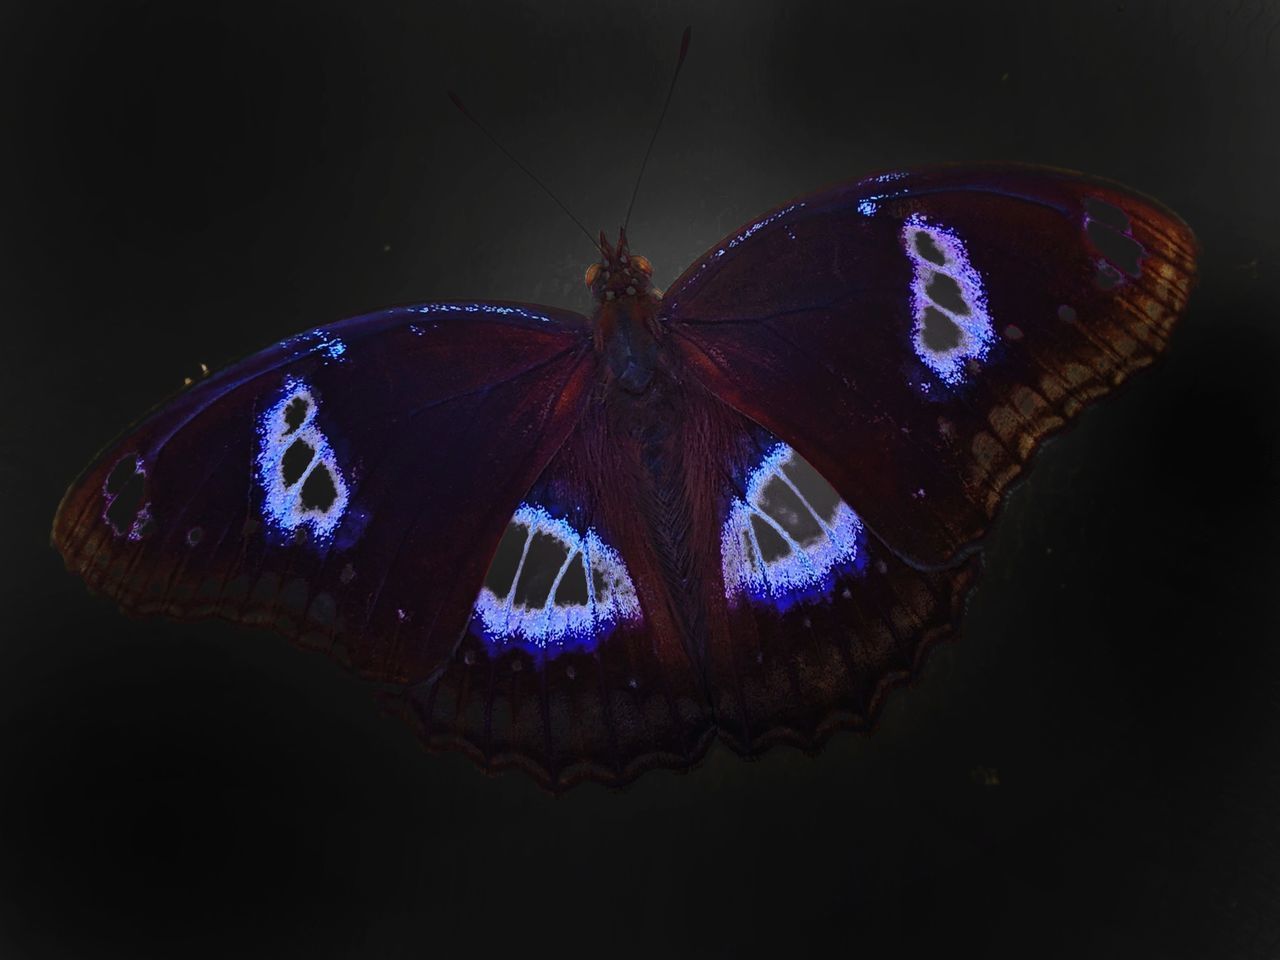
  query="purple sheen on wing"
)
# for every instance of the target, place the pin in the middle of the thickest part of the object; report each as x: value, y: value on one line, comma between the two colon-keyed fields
x: 761, y: 224
x: 870, y: 204
x: 124, y: 489
x: 750, y: 230
x: 811, y: 565
x: 286, y: 504
x: 319, y: 341
x: 946, y: 335
x: 493, y: 309
x: 141, y: 523
x: 553, y: 627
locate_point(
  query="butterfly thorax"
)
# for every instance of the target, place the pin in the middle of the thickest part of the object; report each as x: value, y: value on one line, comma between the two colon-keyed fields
x: 625, y: 322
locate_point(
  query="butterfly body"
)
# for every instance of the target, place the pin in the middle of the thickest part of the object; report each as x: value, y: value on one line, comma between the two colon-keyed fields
x: 743, y: 508
x: 625, y: 322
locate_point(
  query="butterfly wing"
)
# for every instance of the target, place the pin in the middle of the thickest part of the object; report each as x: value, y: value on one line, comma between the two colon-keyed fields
x: 897, y: 348
x: 578, y: 662
x: 813, y: 619
x: 915, y: 336
x: 852, y: 383
x: 648, y: 561
x: 347, y: 486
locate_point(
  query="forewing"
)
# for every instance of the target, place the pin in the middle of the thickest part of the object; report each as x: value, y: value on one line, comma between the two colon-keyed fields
x: 915, y: 336
x: 347, y: 486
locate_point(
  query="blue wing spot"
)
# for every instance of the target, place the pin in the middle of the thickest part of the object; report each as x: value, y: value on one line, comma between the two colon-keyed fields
x: 125, y: 507
x: 551, y: 588
x: 952, y: 328
x: 303, y: 487
x: 317, y: 341
x: 494, y: 309
x: 791, y: 537
x: 760, y: 225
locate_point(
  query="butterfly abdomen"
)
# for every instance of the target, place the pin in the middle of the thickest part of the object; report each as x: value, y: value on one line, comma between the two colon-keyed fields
x: 649, y: 427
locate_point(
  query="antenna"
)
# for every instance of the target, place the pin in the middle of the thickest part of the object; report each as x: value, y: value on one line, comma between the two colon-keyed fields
x: 684, y: 49
x: 457, y: 102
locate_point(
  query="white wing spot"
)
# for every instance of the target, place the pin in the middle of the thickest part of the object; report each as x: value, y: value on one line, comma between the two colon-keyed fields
x: 948, y: 302
x: 789, y: 536
x: 303, y: 487
x: 549, y: 586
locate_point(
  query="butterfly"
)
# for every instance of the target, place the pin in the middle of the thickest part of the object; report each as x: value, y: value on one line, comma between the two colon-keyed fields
x: 744, y: 508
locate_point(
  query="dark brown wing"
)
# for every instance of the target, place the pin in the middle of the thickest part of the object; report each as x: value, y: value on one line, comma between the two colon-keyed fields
x: 579, y: 661
x: 812, y: 619
x: 912, y: 337
x: 756, y: 650
x: 916, y: 335
x: 347, y: 486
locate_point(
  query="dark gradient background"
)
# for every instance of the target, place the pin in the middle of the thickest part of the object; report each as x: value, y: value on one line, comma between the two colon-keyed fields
x: 186, y: 183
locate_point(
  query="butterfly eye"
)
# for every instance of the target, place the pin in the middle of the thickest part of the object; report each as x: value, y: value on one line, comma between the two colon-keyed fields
x: 642, y: 264
x: 593, y: 271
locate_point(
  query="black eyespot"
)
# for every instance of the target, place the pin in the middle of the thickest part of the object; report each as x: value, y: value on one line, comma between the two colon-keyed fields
x: 319, y: 492
x: 543, y: 561
x: 1121, y: 249
x: 572, y: 591
x: 1107, y: 213
x: 123, y: 509
x: 945, y: 292
x: 772, y: 546
x: 780, y: 502
x: 295, y: 461
x: 295, y: 413
x: 939, y: 332
x: 819, y: 494
x: 120, y: 474
x: 502, y: 569
x: 928, y: 249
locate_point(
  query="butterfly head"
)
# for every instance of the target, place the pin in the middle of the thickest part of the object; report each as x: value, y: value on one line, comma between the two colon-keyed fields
x: 619, y: 273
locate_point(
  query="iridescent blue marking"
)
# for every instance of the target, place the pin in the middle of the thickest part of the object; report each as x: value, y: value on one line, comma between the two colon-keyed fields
x: 318, y: 341
x: 809, y: 570
x: 975, y: 332
x: 141, y: 519
x: 749, y: 231
x: 491, y: 308
x: 282, y: 506
x: 870, y: 204
x: 142, y: 515
x: 554, y: 628
x: 761, y: 224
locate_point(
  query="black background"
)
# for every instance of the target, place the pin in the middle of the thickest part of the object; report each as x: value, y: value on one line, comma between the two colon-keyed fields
x: 186, y: 183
